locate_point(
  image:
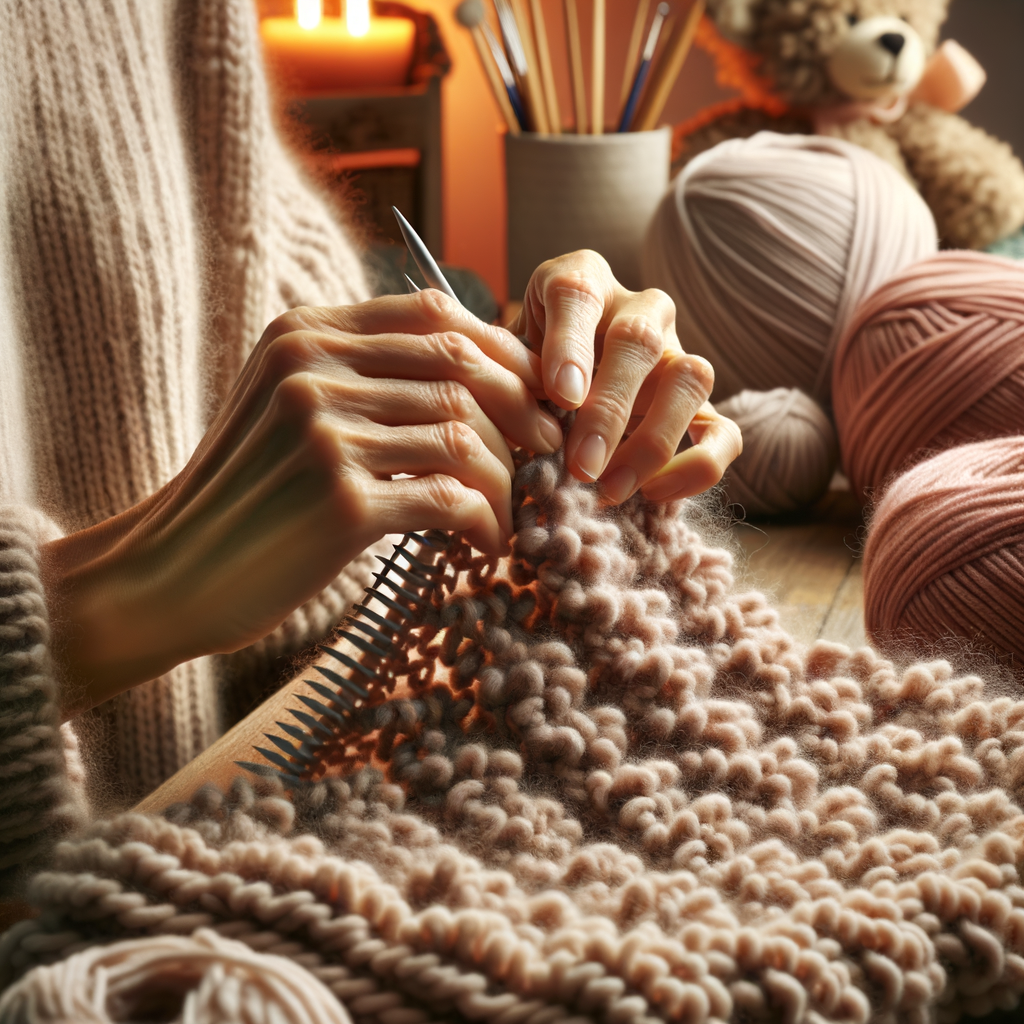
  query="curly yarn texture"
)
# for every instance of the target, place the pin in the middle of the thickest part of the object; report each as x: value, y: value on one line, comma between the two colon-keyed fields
x: 613, y: 789
x: 933, y: 359
x: 945, y: 553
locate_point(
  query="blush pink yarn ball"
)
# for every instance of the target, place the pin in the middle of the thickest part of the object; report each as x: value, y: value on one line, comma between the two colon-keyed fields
x: 932, y: 359
x: 945, y: 553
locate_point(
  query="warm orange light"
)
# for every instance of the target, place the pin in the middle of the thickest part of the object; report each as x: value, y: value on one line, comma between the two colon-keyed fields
x: 308, y: 13
x: 357, y: 17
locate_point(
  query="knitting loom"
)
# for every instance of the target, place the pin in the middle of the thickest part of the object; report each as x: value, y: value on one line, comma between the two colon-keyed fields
x: 355, y: 679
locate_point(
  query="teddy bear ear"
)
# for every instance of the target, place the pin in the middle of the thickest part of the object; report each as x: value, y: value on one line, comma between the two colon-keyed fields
x: 734, y: 19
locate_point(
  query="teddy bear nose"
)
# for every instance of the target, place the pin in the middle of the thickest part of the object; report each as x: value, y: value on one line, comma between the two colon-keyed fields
x: 893, y: 42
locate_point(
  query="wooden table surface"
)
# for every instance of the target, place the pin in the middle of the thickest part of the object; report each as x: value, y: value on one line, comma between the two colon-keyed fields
x: 810, y: 567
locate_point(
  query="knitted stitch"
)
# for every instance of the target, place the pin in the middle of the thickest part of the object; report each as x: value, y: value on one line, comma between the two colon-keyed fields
x: 151, y: 225
x: 609, y: 788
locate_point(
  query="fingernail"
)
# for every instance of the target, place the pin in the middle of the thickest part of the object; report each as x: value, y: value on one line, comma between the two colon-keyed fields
x: 569, y: 383
x: 661, y: 488
x: 550, y: 431
x: 619, y: 485
x: 592, y: 455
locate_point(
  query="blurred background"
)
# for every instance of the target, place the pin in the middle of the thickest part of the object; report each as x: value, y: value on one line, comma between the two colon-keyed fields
x: 472, y: 169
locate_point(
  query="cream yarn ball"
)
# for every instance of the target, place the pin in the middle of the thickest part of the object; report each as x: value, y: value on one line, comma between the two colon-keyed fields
x: 768, y: 244
x: 790, y: 451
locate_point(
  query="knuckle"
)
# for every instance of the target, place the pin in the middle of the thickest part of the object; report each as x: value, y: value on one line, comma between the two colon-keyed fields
x: 456, y: 349
x: 573, y: 282
x: 436, y: 307
x: 453, y: 399
x: 661, y: 303
x: 446, y: 492
x: 459, y: 441
x: 612, y: 405
x: 639, y: 334
x: 297, y: 394
x: 290, y: 353
x: 702, y: 374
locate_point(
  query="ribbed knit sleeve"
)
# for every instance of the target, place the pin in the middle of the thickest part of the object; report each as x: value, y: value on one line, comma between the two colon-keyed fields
x: 40, y: 799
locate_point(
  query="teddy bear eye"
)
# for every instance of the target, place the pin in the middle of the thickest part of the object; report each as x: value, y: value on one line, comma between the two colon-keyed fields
x: 852, y: 19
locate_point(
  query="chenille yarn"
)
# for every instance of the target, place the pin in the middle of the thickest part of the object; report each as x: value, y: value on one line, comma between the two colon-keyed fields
x: 617, y: 791
x: 790, y: 452
x: 212, y: 979
x: 933, y: 359
x: 944, y: 558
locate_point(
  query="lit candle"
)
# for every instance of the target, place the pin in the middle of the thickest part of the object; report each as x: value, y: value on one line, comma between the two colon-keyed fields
x: 312, y: 55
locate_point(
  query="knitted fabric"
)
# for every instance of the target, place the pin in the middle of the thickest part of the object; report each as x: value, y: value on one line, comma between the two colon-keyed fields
x: 150, y: 227
x: 611, y: 788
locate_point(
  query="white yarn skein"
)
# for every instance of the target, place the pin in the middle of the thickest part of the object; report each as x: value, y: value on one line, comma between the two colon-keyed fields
x: 790, y: 451
x: 768, y: 244
x: 218, y: 980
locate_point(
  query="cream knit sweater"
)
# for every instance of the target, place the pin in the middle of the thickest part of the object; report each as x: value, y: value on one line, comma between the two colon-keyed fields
x: 150, y: 226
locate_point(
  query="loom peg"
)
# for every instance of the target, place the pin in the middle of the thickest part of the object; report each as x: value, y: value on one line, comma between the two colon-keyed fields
x: 321, y: 709
x: 351, y: 663
x: 311, y: 723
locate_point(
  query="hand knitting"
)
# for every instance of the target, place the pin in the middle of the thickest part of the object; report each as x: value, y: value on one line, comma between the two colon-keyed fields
x: 351, y: 423
x: 614, y: 355
x: 293, y: 479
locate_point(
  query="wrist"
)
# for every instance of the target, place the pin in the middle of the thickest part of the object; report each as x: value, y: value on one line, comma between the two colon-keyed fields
x: 102, y: 639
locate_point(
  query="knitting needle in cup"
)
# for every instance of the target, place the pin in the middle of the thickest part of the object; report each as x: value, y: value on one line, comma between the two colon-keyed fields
x: 645, y: 66
x: 421, y: 256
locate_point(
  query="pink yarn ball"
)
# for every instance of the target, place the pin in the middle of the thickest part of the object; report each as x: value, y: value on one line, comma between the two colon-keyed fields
x: 945, y: 553
x: 932, y: 359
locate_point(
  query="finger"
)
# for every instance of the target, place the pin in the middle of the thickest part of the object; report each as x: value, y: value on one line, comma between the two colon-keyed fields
x: 426, y: 312
x: 683, y: 388
x: 565, y: 305
x: 405, y: 403
x: 635, y: 343
x: 449, y: 449
x: 436, y: 502
x: 718, y: 443
x: 503, y: 397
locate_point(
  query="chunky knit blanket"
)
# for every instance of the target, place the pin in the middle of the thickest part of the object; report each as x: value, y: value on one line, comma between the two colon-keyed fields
x: 616, y: 790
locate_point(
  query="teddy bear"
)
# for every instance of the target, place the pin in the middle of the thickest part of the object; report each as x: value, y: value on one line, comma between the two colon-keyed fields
x: 870, y: 72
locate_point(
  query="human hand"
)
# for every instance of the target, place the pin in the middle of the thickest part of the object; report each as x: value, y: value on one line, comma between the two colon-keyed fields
x: 614, y: 356
x: 294, y: 478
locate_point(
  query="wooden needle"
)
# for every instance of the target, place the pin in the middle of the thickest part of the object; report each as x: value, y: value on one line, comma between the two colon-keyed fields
x: 597, y: 70
x: 579, y: 87
x: 668, y: 69
x: 633, y: 53
x: 547, y: 74
x: 531, y: 84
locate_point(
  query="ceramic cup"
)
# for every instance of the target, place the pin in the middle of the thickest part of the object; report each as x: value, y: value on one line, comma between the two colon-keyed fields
x: 568, y: 192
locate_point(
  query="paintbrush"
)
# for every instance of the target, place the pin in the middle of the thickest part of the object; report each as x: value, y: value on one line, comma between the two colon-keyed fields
x: 668, y: 69
x: 517, y: 58
x: 645, y: 65
x: 470, y: 14
x: 636, y: 39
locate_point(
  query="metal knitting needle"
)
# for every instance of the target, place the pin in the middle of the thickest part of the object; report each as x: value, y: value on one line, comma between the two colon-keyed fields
x: 421, y: 255
x: 411, y: 285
